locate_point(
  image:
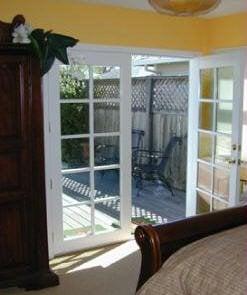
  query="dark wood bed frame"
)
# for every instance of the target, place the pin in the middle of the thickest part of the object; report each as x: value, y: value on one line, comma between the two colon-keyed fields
x: 158, y: 243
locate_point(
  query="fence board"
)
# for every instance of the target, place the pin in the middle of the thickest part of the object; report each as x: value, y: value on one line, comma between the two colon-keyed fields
x: 168, y: 98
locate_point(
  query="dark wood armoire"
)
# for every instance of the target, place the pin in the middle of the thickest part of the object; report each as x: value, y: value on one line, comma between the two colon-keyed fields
x: 23, y: 227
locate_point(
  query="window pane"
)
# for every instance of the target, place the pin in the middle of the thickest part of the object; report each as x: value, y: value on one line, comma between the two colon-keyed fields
x: 106, y: 82
x: 207, y: 83
x: 205, y: 147
x: 107, y: 216
x: 76, y: 188
x: 243, y: 182
x: 203, y: 203
x: 221, y: 183
x: 75, y: 153
x: 223, y: 146
x: 74, y: 118
x: 106, y: 150
x: 218, y: 205
x: 107, y: 183
x: 106, y: 117
x: 74, y: 82
x: 206, y: 116
x: 225, y: 83
x: 107, y: 212
x: 204, y: 177
x: 77, y: 221
x: 224, y: 117
x: 243, y: 166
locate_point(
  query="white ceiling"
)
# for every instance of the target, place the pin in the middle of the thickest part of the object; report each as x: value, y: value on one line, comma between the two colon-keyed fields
x: 225, y: 8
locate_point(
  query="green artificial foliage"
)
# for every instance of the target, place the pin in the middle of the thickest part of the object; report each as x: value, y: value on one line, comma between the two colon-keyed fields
x: 48, y: 46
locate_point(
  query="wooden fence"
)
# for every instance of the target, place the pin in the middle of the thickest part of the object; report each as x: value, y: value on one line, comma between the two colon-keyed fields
x: 159, y: 107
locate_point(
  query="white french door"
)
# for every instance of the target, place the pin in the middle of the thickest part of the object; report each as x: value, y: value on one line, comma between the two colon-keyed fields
x: 90, y: 136
x: 215, y: 130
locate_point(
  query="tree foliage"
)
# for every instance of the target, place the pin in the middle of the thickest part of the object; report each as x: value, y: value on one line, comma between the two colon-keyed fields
x: 74, y: 116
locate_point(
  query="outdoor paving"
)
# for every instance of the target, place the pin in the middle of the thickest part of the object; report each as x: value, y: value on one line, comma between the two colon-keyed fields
x: 153, y: 205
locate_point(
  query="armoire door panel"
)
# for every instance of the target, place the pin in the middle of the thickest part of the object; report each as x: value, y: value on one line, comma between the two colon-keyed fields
x: 11, y: 74
x: 15, y: 196
x: 13, y: 235
x: 14, y: 171
x: 9, y: 171
x: 14, y: 128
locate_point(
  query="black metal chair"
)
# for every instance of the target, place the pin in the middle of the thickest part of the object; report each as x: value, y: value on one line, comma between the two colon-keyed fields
x: 106, y: 154
x: 137, y: 144
x: 137, y: 138
x: 151, y: 165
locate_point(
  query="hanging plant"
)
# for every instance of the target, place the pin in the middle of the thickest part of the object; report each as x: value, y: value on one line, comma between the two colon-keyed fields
x: 46, y: 45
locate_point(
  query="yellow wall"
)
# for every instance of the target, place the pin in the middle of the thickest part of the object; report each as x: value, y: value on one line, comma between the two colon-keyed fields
x: 111, y: 25
x: 229, y: 31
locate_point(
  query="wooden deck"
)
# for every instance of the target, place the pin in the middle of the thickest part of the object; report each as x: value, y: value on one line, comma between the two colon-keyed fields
x: 77, y: 219
x: 156, y: 203
x: 153, y: 205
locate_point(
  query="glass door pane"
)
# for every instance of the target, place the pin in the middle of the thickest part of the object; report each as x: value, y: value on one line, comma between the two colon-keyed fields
x: 225, y: 78
x: 207, y: 83
x: 75, y: 150
x: 243, y: 156
x: 90, y: 199
x: 223, y: 147
x: 106, y: 177
x: 91, y: 155
x: 216, y: 170
x: 215, y: 149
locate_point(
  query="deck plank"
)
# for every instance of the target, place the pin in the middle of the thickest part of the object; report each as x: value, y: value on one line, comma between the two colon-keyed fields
x: 154, y: 203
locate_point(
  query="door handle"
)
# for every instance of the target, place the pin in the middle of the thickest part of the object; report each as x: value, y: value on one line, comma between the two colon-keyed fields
x: 231, y: 161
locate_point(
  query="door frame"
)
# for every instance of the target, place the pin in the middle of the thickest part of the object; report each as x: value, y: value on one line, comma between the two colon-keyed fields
x: 236, y: 58
x: 50, y: 78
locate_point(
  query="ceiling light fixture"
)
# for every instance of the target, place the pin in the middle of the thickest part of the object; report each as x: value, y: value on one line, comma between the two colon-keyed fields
x: 184, y: 7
